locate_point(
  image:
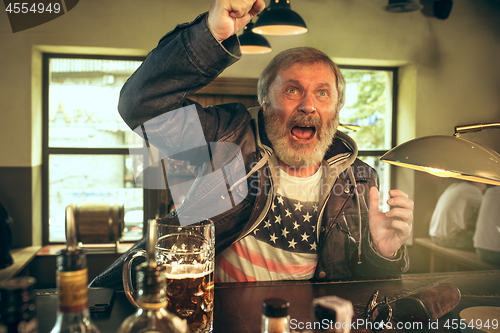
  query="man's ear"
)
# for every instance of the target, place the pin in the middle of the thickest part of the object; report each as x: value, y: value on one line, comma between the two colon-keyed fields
x: 264, y: 106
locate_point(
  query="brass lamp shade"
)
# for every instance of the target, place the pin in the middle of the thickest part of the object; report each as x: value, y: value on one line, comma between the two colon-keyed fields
x: 280, y: 20
x: 448, y: 156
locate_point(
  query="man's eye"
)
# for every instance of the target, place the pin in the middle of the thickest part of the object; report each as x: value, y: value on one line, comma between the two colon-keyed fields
x: 292, y: 91
x: 323, y: 93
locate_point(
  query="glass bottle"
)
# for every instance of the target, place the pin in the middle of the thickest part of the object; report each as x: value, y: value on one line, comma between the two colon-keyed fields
x: 17, y: 306
x: 275, y: 317
x: 73, y: 313
x: 151, y: 317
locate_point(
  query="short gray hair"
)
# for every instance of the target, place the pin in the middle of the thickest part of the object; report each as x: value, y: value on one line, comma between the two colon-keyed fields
x: 302, y: 55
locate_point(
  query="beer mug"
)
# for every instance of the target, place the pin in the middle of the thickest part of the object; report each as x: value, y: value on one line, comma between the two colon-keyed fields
x: 188, y: 254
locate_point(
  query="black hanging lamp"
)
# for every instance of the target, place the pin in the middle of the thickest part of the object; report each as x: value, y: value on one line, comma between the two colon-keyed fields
x: 252, y: 43
x: 280, y: 20
x: 402, y: 6
x: 442, y: 8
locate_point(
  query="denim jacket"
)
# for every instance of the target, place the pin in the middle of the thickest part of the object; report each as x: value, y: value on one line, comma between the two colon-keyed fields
x: 154, y: 102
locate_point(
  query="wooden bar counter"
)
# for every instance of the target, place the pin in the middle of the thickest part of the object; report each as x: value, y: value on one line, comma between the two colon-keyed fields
x: 238, y: 306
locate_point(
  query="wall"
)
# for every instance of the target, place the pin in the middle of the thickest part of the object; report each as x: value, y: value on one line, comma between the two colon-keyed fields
x: 450, y: 74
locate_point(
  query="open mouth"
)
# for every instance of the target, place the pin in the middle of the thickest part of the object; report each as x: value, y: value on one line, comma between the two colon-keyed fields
x: 303, y: 133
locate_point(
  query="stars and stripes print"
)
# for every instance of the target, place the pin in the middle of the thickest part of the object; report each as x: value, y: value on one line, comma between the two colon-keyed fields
x: 282, y: 247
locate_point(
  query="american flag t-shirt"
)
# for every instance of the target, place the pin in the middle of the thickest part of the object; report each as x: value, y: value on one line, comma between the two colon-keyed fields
x: 284, y: 245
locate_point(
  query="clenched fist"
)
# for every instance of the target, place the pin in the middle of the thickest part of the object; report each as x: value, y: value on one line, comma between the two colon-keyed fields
x: 227, y: 17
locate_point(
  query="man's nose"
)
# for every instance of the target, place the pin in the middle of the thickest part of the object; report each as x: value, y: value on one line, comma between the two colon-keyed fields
x: 307, y: 105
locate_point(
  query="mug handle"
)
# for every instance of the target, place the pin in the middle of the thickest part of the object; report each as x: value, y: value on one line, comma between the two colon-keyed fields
x: 127, y: 275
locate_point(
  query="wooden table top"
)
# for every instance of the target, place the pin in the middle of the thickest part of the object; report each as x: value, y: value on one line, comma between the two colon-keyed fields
x: 238, y: 306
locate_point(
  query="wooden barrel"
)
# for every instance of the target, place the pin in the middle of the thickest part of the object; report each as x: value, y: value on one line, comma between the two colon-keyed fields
x: 99, y: 222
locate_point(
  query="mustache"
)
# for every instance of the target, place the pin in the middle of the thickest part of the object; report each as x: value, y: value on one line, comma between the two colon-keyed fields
x: 301, y: 119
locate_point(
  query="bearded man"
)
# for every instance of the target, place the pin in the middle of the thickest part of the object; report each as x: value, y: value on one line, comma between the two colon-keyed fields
x: 296, y: 202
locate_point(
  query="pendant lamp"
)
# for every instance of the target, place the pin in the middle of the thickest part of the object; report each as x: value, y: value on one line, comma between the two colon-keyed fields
x: 402, y: 6
x: 442, y: 8
x: 279, y: 20
x: 252, y: 43
x: 450, y: 156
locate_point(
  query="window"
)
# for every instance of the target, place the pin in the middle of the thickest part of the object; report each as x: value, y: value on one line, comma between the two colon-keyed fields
x: 370, y: 107
x: 86, y: 152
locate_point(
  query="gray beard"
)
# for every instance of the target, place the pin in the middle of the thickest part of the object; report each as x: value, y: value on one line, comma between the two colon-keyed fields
x: 295, y: 154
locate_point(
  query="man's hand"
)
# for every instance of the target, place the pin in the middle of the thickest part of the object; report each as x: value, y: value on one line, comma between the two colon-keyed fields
x: 391, y: 229
x: 227, y: 17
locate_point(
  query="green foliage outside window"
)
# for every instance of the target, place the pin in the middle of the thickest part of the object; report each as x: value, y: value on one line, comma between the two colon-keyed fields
x: 368, y: 105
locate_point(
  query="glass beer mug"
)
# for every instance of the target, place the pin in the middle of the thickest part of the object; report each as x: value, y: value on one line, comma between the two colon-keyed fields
x: 188, y: 254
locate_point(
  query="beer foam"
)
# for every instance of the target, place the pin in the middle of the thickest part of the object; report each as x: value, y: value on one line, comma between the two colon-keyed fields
x: 175, y: 271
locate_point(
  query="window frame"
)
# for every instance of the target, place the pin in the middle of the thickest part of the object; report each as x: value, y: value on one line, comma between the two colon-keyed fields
x: 148, y: 195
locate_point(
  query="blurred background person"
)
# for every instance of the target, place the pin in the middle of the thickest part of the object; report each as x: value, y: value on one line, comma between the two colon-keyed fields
x: 454, y: 218
x: 487, y: 235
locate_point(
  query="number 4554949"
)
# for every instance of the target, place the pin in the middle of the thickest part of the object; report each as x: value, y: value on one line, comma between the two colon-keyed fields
x: 455, y: 324
x: 36, y: 8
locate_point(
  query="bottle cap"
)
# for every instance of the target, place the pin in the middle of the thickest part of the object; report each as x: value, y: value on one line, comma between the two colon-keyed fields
x: 275, y: 307
x: 18, y: 283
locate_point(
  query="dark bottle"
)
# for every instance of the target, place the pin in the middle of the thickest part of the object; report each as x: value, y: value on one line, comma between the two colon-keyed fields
x: 73, y: 315
x: 17, y: 306
x: 152, y: 316
x: 275, y: 317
